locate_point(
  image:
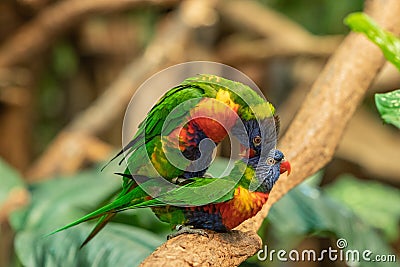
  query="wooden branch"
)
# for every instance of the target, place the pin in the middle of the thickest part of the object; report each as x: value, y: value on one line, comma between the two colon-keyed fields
x: 35, y: 36
x: 112, y: 103
x: 309, y: 143
x: 68, y: 153
x: 17, y: 198
x: 281, y: 36
x: 233, y: 50
x: 226, y: 249
x: 365, y: 139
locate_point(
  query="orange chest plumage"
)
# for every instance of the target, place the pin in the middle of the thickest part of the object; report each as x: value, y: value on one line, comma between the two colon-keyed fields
x: 244, y: 205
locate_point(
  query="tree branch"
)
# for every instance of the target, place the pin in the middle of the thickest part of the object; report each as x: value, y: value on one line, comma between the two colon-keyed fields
x: 168, y: 41
x: 35, y: 36
x: 16, y: 199
x: 309, y: 143
x: 281, y: 36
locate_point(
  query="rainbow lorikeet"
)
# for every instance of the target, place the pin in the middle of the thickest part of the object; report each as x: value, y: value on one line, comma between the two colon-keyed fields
x: 218, y: 204
x: 201, y: 107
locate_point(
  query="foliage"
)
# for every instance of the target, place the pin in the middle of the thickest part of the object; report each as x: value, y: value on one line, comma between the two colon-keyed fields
x: 387, y: 42
x: 118, y: 245
x: 371, y: 201
x: 61, y: 200
x: 310, y: 211
x: 388, y: 104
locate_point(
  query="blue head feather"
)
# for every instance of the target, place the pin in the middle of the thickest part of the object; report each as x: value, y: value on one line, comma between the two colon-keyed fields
x: 265, y: 131
x: 267, y: 170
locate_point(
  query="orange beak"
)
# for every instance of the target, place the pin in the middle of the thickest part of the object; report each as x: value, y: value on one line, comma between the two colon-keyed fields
x: 285, y: 167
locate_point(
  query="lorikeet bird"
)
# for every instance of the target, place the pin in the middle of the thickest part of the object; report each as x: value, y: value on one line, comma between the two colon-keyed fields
x: 218, y: 204
x: 201, y: 107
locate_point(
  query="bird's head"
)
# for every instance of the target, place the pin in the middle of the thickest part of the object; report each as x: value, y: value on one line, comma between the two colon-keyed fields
x: 269, y: 169
x: 257, y: 138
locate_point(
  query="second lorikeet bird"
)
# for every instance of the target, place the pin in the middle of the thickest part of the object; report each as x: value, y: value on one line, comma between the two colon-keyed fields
x: 218, y: 204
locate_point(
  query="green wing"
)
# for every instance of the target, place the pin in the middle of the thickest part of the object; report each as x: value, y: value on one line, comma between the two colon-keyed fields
x: 191, y: 194
x: 152, y: 125
x: 251, y: 104
x: 195, y: 194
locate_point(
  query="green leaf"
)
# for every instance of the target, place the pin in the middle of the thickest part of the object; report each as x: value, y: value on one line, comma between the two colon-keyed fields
x: 117, y: 245
x: 59, y: 201
x: 387, y: 42
x: 309, y: 211
x: 371, y: 201
x: 388, y: 105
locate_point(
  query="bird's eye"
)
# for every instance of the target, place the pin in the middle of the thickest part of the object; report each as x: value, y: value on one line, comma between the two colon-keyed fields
x: 271, y: 161
x: 257, y: 140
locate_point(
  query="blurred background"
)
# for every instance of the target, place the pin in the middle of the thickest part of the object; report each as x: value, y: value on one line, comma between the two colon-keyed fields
x: 68, y: 70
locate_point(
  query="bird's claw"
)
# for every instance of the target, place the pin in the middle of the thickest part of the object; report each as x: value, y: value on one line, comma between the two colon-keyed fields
x: 183, y: 229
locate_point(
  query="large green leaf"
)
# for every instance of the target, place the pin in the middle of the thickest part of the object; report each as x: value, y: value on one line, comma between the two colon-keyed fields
x: 117, y: 245
x: 387, y: 42
x: 309, y: 211
x: 61, y: 200
x: 388, y: 105
x: 371, y: 201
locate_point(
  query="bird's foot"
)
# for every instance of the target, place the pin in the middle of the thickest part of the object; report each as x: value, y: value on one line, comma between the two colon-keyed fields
x: 181, y: 181
x: 187, y: 229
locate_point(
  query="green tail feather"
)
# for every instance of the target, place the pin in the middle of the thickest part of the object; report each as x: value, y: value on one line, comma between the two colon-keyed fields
x: 99, y: 226
x: 93, y: 215
x: 118, y: 204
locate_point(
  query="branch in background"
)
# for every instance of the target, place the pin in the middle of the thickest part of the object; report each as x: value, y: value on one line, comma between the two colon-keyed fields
x: 35, y: 36
x: 364, y: 142
x: 68, y: 153
x: 111, y: 104
x: 388, y: 79
x: 233, y: 50
x: 364, y: 138
x: 309, y: 143
x: 282, y: 36
x: 17, y: 198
